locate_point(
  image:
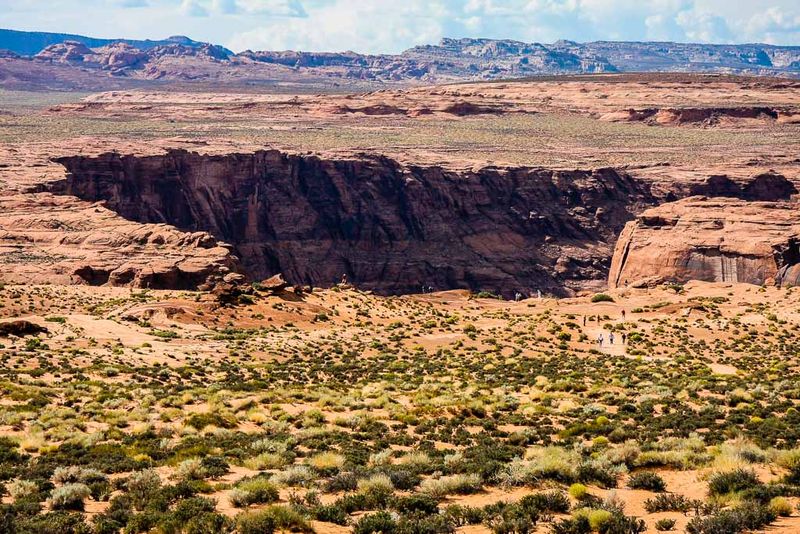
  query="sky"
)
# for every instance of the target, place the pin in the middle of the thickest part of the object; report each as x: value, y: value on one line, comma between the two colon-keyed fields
x: 390, y: 26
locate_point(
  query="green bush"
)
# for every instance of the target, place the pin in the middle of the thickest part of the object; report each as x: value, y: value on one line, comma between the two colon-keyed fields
x: 670, y: 502
x: 781, y: 506
x: 461, y: 484
x: 271, y: 519
x: 578, y: 491
x: 416, y: 502
x: 377, y: 523
x: 460, y: 515
x: 602, y: 297
x: 69, y: 497
x: 258, y: 490
x: 744, y: 518
x: 665, y: 524
x: 732, y: 481
x: 647, y: 480
x: 142, y: 486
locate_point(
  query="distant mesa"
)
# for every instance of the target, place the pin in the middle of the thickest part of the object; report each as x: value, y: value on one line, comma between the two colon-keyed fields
x: 183, y: 59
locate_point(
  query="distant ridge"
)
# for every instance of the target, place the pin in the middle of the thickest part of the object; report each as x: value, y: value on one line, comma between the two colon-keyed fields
x: 31, y: 43
x: 69, y: 62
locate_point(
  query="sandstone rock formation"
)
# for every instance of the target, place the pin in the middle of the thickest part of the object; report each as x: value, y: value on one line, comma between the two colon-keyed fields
x: 50, y: 239
x: 20, y: 328
x: 389, y: 227
x: 711, y: 239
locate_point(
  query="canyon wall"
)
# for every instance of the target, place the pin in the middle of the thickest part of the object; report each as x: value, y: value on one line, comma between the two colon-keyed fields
x: 711, y: 239
x: 391, y: 228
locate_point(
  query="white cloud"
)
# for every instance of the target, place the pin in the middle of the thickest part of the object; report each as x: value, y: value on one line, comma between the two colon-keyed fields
x: 704, y: 27
x: 394, y: 25
x: 193, y: 8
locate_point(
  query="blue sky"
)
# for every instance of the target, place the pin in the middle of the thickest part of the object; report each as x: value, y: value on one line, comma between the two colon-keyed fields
x: 394, y: 25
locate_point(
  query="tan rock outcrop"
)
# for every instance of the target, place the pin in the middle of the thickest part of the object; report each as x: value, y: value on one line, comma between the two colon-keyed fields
x: 715, y: 240
x: 50, y: 239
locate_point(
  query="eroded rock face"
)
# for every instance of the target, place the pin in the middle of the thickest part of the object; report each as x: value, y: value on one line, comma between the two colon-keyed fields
x: 715, y: 240
x: 20, y: 328
x: 768, y: 186
x: 389, y: 227
x: 52, y: 239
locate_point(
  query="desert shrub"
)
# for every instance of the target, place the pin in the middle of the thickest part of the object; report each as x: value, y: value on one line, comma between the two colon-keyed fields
x: 143, y: 522
x: 586, y: 521
x: 331, y: 513
x: 199, y: 421
x: 793, y: 477
x: 345, y: 481
x: 327, y: 463
x: 379, y: 459
x: 578, y: 491
x: 416, y: 502
x: 404, y: 480
x: 665, y: 524
x: 781, y: 506
x: 420, y: 523
x: 732, y: 481
x: 185, y: 509
x: 190, y: 469
x: 415, y: 461
x: 602, y: 297
x: 599, y: 473
x: 142, y: 486
x: 550, y: 501
x: 512, y: 519
x: 551, y: 463
x: 460, y: 515
x: 597, y: 517
x: 59, y: 522
x: 20, y: 489
x: 377, y: 523
x: 647, y: 480
x: 376, y: 485
x: 69, y: 497
x: 295, y: 475
x: 670, y: 502
x: 258, y: 490
x: 461, y: 484
x: 215, y: 466
x: 74, y: 473
x: 270, y: 519
x: 358, y: 502
x: 522, y: 516
x: 743, y: 518
x: 209, y: 523
x: 573, y: 525
x: 264, y: 461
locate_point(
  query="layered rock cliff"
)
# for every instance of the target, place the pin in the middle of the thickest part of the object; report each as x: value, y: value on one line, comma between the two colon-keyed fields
x: 48, y: 239
x: 711, y: 239
x: 389, y: 227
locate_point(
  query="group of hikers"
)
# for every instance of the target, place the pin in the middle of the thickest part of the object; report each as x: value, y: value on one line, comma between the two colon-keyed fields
x: 601, y: 337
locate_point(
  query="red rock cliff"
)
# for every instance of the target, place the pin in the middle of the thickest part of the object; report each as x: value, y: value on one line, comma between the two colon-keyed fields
x: 391, y: 228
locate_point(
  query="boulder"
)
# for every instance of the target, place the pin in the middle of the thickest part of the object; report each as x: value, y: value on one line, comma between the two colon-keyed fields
x: 275, y: 283
x: 20, y: 328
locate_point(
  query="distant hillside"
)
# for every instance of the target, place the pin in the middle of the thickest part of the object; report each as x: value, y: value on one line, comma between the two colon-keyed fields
x: 31, y: 43
x: 68, y: 62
